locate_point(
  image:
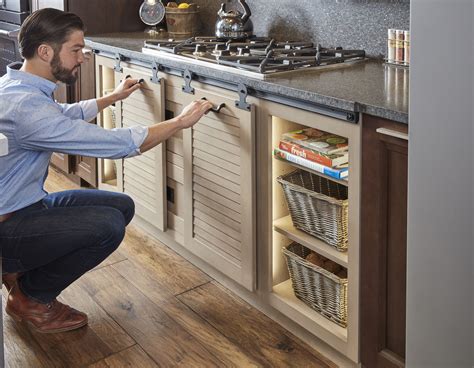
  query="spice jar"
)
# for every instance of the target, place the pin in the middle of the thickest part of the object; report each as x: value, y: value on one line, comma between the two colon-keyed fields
x: 391, y: 46
x: 400, y: 46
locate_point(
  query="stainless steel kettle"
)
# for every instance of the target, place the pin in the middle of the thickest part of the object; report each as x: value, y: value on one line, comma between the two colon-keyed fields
x: 234, y: 25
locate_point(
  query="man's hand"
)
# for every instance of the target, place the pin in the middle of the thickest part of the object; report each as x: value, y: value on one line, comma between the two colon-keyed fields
x: 193, y: 112
x: 160, y: 132
x: 126, y: 88
x: 123, y: 90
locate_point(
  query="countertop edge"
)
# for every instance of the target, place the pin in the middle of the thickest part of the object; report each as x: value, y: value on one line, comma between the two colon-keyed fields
x: 265, y: 86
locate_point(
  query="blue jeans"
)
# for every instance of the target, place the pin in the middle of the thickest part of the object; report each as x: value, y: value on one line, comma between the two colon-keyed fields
x: 58, y: 239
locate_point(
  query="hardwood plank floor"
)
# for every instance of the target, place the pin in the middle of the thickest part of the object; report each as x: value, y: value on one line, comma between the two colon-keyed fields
x: 149, y: 307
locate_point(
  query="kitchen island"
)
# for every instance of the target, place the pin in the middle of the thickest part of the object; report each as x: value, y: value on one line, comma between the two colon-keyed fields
x: 211, y: 192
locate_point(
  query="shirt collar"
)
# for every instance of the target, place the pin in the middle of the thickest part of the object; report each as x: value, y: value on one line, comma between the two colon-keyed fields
x: 45, y: 86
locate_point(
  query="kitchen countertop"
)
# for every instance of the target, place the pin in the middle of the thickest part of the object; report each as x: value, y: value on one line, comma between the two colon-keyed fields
x: 369, y: 87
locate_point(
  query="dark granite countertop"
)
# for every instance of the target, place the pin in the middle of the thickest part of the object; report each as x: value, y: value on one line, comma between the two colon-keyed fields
x: 369, y: 87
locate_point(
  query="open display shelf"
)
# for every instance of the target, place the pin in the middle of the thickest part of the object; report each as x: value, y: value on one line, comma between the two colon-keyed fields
x: 295, y: 308
x: 285, y: 227
x: 283, y: 232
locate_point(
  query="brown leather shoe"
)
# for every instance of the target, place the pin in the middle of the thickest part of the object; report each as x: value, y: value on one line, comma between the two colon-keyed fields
x: 43, y: 318
x: 10, y: 279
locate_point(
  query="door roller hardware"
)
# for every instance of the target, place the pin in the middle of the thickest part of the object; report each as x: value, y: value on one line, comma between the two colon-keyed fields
x: 215, y: 109
x: 243, y: 93
x: 118, y: 59
x: 155, y: 67
x: 352, y: 117
x: 188, y: 77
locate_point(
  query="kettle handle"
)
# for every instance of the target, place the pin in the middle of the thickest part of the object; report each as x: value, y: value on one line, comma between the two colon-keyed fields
x: 247, y: 12
x: 221, y: 11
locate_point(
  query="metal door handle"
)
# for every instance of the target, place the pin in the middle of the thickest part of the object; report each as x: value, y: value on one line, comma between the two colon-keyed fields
x: 9, y: 34
x: 392, y: 133
x: 215, y: 109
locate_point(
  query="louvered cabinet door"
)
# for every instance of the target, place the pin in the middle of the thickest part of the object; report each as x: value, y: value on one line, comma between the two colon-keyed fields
x: 144, y: 176
x: 219, y: 189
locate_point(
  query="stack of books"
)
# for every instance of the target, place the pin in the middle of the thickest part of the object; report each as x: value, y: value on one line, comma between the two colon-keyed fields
x: 316, y: 150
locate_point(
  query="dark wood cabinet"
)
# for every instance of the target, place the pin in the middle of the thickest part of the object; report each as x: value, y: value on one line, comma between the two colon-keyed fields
x: 123, y: 18
x: 383, y: 242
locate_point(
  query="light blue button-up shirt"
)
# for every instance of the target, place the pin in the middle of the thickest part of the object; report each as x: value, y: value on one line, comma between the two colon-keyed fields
x: 35, y: 126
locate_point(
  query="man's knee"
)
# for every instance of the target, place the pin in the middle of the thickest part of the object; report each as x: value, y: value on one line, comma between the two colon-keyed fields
x: 111, y: 228
x: 127, y: 207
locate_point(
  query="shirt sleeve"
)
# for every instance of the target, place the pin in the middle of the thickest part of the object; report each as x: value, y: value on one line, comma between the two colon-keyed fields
x: 84, y: 110
x: 42, y: 125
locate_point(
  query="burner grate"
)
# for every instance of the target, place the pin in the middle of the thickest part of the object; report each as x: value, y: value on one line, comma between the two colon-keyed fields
x: 258, y: 54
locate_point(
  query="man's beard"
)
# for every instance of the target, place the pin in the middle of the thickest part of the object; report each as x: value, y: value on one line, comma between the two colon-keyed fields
x: 60, y: 73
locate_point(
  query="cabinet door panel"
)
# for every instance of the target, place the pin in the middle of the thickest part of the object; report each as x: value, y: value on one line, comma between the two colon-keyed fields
x: 383, y: 245
x: 219, y: 188
x: 144, y: 177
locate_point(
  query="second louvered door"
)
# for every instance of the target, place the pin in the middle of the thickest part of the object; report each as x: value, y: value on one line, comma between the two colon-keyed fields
x: 144, y: 177
x: 219, y: 189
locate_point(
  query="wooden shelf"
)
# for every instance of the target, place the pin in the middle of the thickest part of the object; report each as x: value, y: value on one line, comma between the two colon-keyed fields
x: 285, y: 227
x: 110, y: 185
x: 111, y: 182
x: 284, y: 299
x: 339, y: 181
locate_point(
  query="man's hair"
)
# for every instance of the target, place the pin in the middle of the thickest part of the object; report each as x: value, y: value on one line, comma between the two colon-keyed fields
x: 47, y: 26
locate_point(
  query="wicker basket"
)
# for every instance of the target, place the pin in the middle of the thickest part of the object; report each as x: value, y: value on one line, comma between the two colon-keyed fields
x: 323, y: 291
x: 318, y: 206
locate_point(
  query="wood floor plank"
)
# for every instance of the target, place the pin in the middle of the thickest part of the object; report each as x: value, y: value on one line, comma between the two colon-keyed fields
x: 261, y: 338
x: 73, y: 349
x: 149, y: 283
x: 100, y: 322
x: 165, y: 341
x: 131, y: 357
x: 151, y: 254
x: 115, y: 257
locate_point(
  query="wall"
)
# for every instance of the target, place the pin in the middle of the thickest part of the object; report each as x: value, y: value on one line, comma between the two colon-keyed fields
x: 355, y: 24
x: 440, y: 189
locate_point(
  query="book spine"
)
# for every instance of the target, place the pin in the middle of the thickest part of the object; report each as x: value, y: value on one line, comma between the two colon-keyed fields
x: 305, y: 153
x: 334, y: 173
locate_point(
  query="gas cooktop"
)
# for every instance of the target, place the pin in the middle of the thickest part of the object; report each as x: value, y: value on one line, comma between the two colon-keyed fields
x: 257, y: 57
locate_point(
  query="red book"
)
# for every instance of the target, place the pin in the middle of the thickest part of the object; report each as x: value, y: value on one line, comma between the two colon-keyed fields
x: 330, y: 160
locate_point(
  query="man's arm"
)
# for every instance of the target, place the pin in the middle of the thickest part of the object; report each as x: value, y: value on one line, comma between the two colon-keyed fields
x: 161, y: 131
x: 88, y: 110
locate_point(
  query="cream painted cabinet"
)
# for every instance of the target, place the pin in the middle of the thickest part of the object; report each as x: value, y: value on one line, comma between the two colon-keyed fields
x: 219, y: 188
x: 144, y: 176
x: 277, y: 230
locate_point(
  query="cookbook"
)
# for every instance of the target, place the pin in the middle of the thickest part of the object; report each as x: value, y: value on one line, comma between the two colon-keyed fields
x: 334, y: 173
x: 331, y: 160
x: 317, y: 140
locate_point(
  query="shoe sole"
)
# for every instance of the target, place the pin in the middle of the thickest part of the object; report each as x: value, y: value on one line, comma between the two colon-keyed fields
x: 36, y: 329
